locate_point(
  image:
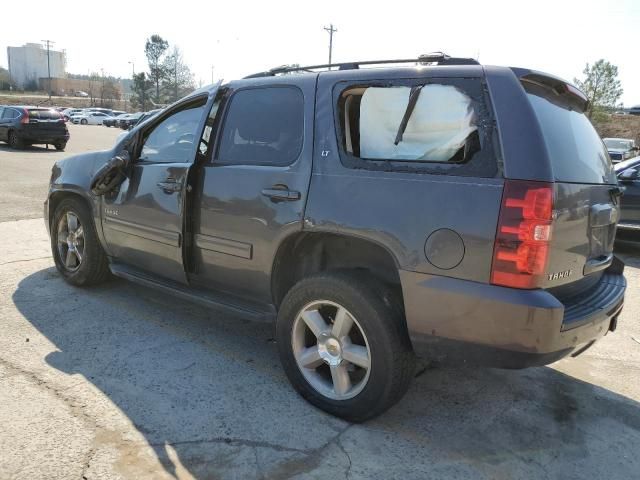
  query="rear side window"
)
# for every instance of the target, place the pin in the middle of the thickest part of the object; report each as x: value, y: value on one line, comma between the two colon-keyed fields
x: 424, y: 123
x: 263, y: 126
x: 438, y: 126
x: 576, y: 151
x: 43, y: 114
x: 10, y: 113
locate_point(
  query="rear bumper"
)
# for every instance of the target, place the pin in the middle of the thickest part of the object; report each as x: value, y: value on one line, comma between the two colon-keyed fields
x: 459, y: 321
x: 52, y: 137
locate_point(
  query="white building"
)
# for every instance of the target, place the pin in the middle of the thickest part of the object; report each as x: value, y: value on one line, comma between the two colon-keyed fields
x: 27, y: 64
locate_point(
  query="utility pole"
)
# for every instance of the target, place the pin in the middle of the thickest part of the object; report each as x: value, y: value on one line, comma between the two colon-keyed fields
x: 49, y: 43
x: 211, y: 74
x: 133, y: 69
x: 331, y: 31
x: 102, y: 88
x: 175, y: 77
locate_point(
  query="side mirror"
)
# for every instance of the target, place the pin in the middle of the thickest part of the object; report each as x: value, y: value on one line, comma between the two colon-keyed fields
x: 111, y: 174
x: 629, y: 175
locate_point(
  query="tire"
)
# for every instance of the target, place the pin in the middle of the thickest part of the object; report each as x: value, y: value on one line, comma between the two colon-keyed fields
x: 60, y: 146
x: 91, y: 267
x: 84, y: 121
x: 378, y: 330
x: 14, y: 141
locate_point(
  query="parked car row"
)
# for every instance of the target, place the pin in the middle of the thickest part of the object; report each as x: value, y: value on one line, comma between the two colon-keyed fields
x: 21, y: 126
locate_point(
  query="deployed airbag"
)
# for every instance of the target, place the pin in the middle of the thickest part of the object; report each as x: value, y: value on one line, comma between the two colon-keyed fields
x: 441, y: 122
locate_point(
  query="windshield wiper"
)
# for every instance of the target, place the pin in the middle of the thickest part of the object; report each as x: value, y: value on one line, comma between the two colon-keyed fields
x: 413, y: 99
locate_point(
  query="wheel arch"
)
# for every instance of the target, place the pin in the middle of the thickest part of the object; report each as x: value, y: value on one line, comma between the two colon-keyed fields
x: 57, y: 196
x: 305, y: 253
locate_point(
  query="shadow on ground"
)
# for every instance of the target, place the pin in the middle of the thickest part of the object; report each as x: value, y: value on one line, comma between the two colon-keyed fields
x: 28, y: 149
x: 207, y: 393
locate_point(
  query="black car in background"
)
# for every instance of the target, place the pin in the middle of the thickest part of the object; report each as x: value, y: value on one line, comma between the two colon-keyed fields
x: 114, y: 120
x: 128, y: 121
x: 23, y: 125
x: 628, y: 173
x: 145, y: 116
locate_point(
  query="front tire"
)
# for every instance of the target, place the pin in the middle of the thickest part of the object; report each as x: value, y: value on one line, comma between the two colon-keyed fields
x: 344, y: 345
x: 60, y: 146
x: 77, y: 252
x: 84, y: 121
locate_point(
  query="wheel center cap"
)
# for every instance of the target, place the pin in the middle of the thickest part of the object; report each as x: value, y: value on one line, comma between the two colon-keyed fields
x: 330, y: 349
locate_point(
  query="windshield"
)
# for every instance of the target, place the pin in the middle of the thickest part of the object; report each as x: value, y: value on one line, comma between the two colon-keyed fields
x: 617, y: 144
x: 576, y: 152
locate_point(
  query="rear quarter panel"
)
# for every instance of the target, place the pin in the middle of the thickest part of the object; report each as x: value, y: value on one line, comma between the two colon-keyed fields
x: 399, y: 210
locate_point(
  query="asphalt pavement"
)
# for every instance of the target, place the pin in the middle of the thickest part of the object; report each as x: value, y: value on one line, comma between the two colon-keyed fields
x: 120, y: 381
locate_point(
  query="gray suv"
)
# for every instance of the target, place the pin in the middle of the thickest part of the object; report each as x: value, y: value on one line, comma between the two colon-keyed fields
x: 443, y: 209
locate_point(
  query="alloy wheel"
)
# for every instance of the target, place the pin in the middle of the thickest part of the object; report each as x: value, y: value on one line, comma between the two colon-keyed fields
x: 331, y: 350
x: 70, y: 238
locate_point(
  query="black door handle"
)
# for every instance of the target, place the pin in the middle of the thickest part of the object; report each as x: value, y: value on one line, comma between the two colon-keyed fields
x: 281, y: 194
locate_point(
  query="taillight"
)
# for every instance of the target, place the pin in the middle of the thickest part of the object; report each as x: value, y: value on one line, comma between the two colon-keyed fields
x: 521, y: 247
x: 25, y: 116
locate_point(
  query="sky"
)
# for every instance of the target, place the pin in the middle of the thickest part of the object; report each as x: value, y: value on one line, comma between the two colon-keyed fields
x: 243, y: 37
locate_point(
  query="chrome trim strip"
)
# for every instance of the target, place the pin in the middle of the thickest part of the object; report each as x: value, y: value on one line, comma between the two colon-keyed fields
x: 629, y: 226
x: 143, y: 231
x: 224, y: 245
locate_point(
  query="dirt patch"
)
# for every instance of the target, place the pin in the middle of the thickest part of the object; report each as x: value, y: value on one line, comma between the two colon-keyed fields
x: 620, y: 126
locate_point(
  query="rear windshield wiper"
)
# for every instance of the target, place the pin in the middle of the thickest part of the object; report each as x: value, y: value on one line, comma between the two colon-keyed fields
x: 413, y: 99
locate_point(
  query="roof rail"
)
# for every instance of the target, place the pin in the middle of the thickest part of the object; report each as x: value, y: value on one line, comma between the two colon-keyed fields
x: 437, y: 58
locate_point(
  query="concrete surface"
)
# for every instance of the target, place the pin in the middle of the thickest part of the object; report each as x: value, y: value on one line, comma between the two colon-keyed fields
x: 120, y: 381
x: 25, y: 173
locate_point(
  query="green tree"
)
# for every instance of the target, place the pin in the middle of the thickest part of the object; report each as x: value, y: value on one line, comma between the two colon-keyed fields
x: 155, y: 49
x: 601, y: 85
x: 141, y: 91
x: 178, y: 79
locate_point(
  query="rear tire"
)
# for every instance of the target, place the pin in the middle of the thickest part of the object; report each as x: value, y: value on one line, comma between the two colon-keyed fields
x: 60, y: 146
x: 14, y: 141
x: 77, y: 252
x: 356, y: 376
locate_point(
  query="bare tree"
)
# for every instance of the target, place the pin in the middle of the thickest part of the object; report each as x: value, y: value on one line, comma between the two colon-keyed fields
x: 178, y: 80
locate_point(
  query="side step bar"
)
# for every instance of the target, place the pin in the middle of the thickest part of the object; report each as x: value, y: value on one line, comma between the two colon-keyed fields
x: 629, y: 226
x: 195, y: 295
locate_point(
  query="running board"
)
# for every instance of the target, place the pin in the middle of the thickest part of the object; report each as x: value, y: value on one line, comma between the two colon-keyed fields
x: 194, y: 294
x: 629, y: 226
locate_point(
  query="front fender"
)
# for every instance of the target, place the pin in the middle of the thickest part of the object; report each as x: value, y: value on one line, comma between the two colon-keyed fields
x: 72, y: 176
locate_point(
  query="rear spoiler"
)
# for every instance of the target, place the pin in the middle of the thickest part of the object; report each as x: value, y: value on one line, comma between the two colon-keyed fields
x: 559, y: 86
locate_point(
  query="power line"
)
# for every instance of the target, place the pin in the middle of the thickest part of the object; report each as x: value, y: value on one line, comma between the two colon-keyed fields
x: 331, y: 31
x: 49, y: 43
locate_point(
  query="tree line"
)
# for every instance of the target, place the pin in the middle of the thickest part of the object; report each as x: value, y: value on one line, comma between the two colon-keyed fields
x: 168, y: 77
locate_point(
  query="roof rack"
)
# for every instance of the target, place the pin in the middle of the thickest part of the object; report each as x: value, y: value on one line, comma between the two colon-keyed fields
x: 437, y: 58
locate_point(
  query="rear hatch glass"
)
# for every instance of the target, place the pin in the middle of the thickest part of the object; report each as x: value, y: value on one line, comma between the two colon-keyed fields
x: 42, y: 119
x: 576, y: 151
x: 585, y: 190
